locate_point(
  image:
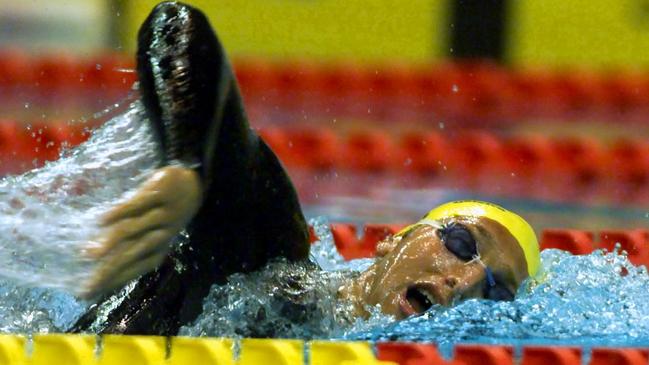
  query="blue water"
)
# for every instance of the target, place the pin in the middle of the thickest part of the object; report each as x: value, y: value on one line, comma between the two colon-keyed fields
x: 594, y: 300
x: 583, y: 301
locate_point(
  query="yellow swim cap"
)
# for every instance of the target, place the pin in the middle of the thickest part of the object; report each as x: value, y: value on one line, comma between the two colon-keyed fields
x: 517, y: 226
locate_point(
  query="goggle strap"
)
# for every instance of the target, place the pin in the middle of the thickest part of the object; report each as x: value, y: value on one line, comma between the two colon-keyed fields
x: 490, y: 276
x: 488, y: 273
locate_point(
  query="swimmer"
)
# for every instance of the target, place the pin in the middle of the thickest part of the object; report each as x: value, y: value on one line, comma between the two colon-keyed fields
x: 222, y: 184
x: 459, y: 250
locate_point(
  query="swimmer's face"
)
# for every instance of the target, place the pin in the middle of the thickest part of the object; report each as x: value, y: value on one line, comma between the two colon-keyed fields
x: 433, y: 265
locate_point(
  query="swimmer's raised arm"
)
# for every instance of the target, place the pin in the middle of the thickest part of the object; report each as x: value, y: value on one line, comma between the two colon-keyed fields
x: 180, y: 91
x: 187, y: 86
x: 248, y: 211
x: 180, y: 87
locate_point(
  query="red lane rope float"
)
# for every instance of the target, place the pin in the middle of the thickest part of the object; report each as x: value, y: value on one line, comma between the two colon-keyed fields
x: 534, y: 355
x: 420, y: 354
x: 577, y: 169
x: 483, y: 354
x: 54, y: 73
x: 476, y: 93
x: 537, y: 166
x: 622, y: 356
x: 407, y: 353
x: 470, y: 153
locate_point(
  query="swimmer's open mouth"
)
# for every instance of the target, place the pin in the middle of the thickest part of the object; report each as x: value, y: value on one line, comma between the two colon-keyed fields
x: 417, y: 300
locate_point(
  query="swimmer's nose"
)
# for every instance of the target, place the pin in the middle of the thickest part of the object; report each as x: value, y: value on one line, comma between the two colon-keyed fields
x: 465, y: 283
x: 451, y: 281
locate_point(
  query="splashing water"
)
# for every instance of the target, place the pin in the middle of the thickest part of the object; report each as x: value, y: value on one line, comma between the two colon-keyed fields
x: 596, y: 299
x: 287, y: 300
x: 282, y: 300
x: 48, y: 216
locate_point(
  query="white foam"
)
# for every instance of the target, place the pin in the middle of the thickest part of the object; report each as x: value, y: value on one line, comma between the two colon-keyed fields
x: 48, y: 215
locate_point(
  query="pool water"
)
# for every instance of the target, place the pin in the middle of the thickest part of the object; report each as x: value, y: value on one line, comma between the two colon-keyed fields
x: 48, y: 216
x: 597, y: 299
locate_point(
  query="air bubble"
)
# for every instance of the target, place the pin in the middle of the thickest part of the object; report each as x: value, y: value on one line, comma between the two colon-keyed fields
x: 302, y: 302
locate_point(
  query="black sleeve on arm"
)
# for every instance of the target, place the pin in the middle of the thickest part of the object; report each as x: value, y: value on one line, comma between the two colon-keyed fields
x: 250, y: 212
x: 184, y: 81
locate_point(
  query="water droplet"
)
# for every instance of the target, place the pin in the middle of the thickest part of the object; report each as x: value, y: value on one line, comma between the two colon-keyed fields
x: 455, y: 88
x: 98, y: 66
x: 26, y: 105
x: 441, y: 125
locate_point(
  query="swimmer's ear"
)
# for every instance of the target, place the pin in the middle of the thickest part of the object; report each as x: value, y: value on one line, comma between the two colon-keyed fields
x: 386, y: 246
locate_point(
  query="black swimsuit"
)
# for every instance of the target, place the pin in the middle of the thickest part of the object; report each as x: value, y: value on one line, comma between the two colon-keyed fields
x: 250, y: 211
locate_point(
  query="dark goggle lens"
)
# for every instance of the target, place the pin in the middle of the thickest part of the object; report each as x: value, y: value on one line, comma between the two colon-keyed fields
x: 459, y: 241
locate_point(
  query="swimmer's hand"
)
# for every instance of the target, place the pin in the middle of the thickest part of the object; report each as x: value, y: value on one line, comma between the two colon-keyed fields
x: 134, y: 236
